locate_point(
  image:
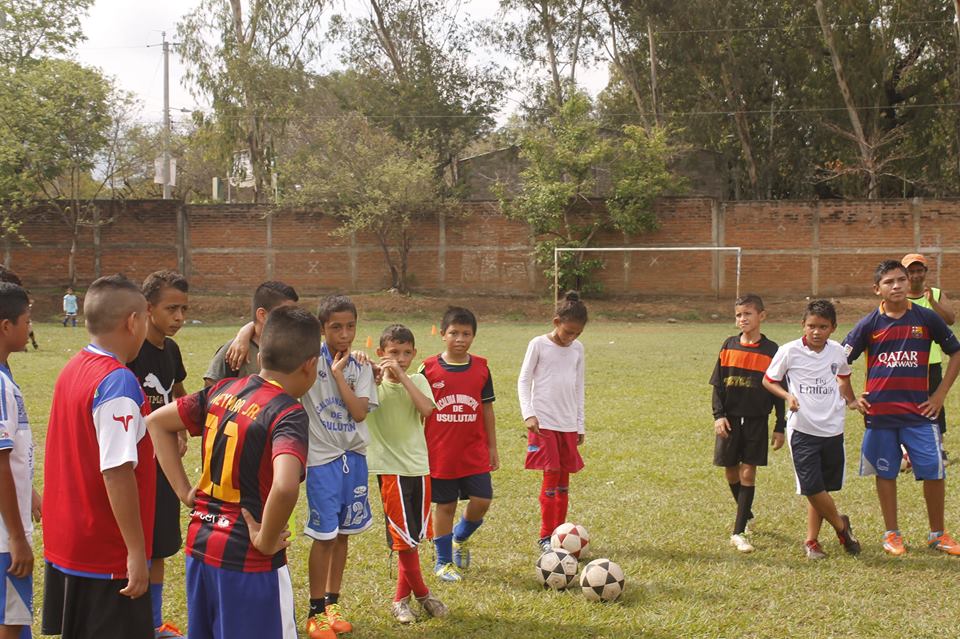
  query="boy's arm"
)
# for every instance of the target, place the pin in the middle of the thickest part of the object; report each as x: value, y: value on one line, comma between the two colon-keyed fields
x: 942, y: 307
x: 238, y: 353
x: 358, y: 407
x: 270, y: 535
x: 932, y: 407
x: 490, y: 426
x: 121, y: 485
x: 183, y: 437
x: 165, y: 425
x: 779, y: 391
x: 525, y: 385
x: 421, y: 402
x: 21, y: 554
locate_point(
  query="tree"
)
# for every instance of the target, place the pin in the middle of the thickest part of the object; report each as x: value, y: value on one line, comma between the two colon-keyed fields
x: 35, y: 29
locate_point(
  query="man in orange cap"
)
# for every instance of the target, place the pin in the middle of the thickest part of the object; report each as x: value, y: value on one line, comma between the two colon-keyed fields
x: 936, y: 300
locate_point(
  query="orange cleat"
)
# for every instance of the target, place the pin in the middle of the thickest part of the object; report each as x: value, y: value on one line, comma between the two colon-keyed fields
x: 893, y: 543
x: 336, y: 620
x: 319, y: 628
x: 946, y: 544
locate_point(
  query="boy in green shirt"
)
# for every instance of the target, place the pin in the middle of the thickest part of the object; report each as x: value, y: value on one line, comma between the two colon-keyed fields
x: 397, y: 454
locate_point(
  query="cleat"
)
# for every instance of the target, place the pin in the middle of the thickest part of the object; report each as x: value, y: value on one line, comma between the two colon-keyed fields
x: 319, y: 628
x: 461, y: 554
x: 741, y: 543
x: 813, y: 550
x: 167, y: 631
x: 432, y: 606
x: 448, y: 573
x: 850, y: 543
x: 893, y: 543
x: 945, y: 544
x: 401, y: 610
x: 544, y: 545
x: 335, y: 617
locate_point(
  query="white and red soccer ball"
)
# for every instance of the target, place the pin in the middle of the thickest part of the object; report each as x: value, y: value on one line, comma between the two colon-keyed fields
x: 571, y: 537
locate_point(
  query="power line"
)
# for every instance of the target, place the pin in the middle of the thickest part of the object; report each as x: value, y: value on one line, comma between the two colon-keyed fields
x: 797, y: 27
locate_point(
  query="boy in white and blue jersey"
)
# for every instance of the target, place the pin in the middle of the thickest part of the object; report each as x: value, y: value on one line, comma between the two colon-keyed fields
x: 17, y: 497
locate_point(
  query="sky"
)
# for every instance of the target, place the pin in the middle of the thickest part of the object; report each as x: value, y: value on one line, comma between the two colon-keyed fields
x: 123, y: 39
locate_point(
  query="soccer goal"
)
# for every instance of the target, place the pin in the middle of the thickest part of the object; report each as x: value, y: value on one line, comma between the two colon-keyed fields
x: 646, y: 249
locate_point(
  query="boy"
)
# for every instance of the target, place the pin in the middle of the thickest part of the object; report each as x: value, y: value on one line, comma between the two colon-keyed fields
x: 899, y: 408
x: 398, y: 456
x: 741, y: 408
x: 99, y: 478
x: 254, y: 453
x: 6, y: 275
x: 159, y: 369
x: 818, y: 378
x: 461, y: 441
x: 69, y: 308
x: 267, y: 297
x: 342, y: 395
x: 17, y: 496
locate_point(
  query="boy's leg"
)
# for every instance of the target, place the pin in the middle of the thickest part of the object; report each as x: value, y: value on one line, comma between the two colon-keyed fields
x: 338, y: 562
x: 548, y: 502
x: 409, y: 561
x: 318, y: 571
x: 748, y: 476
x: 934, y: 493
x: 887, y: 494
x: 156, y: 590
x: 443, y: 515
x: 479, y: 489
x: 563, y: 498
x: 324, y: 489
x: 826, y: 509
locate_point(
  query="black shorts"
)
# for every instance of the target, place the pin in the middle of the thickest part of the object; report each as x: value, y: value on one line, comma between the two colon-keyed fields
x: 935, y: 376
x: 83, y: 608
x: 446, y: 491
x: 167, y: 539
x: 818, y: 462
x: 745, y: 443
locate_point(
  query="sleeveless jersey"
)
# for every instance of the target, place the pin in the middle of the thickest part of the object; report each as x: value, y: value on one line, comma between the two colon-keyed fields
x: 936, y: 353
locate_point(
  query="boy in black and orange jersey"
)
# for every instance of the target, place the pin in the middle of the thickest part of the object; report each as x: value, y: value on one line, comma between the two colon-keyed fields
x: 741, y: 406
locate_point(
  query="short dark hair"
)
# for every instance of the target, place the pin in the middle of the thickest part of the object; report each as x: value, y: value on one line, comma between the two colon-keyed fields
x: 750, y: 299
x: 108, y: 301
x: 14, y: 301
x: 272, y: 294
x: 885, y: 267
x: 335, y: 304
x: 154, y: 284
x: 397, y: 333
x: 6, y: 275
x: 291, y: 336
x: 571, y: 308
x: 458, y: 315
x: 821, y: 308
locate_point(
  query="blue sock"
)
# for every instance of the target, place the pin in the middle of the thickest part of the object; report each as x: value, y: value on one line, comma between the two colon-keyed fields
x: 464, y: 528
x: 156, y: 596
x: 444, y: 547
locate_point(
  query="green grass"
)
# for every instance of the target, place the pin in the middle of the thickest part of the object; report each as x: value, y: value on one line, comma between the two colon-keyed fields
x: 649, y: 496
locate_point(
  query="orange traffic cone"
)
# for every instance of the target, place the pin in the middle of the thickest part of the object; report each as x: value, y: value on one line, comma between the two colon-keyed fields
x: 369, y: 341
x: 433, y: 330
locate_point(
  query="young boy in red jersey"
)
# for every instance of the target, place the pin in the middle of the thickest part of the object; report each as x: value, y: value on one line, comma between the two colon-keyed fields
x: 99, y: 478
x: 159, y: 369
x: 461, y: 441
x: 899, y: 408
x: 254, y: 454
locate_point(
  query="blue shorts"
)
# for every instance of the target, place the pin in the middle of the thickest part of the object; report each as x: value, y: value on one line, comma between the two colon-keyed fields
x: 16, y: 596
x: 228, y: 604
x: 445, y: 491
x: 880, y: 454
x: 337, y: 498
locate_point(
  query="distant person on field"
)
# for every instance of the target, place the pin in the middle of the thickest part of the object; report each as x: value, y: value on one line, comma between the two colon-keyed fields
x: 935, y: 299
x: 551, y: 393
x: 70, y: 307
x: 817, y: 375
x: 899, y: 409
x: 741, y: 408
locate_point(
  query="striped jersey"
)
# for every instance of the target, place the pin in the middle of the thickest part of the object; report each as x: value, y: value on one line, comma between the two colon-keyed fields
x: 898, y: 353
x: 245, y: 423
x: 737, y: 381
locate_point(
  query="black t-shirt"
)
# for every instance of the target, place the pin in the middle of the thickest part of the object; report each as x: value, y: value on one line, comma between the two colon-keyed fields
x: 158, y: 369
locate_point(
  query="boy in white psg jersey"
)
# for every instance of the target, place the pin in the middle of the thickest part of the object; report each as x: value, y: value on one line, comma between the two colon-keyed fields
x: 818, y: 386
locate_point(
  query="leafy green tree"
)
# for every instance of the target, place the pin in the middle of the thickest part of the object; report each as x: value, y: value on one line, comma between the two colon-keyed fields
x: 35, y: 29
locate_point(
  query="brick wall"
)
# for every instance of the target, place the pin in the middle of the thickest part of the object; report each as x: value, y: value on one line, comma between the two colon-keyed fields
x: 808, y: 248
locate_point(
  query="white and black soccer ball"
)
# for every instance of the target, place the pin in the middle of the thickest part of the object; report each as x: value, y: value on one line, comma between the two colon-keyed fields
x: 573, y: 538
x: 602, y: 580
x: 557, y: 569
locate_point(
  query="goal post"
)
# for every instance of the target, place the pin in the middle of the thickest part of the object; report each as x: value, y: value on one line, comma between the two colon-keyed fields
x: 645, y: 249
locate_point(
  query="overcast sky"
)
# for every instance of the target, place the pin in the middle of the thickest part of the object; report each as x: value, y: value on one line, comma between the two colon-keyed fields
x: 119, y: 32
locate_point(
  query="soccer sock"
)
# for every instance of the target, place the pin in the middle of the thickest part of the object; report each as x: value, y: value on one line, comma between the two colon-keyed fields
x: 331, y: 598
x: 744, y: 504
x: 403, y: 586
x: 548, y: 502
x: 563, y: 499
x: 410, y: 572
x: 465, y: 528
x: 735, y: 489
x: 934, y: 534
x: 156, y: 598
x: 317, y: 606
x: 444, y: 548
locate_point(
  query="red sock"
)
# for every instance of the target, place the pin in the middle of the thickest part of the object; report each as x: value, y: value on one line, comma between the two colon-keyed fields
x: 403, y: 588
x: 410, y: 573
x: 548, y: 503
x: 563, y: 497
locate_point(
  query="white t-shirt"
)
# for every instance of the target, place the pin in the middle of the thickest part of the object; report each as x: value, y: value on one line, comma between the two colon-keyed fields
x: 550, y: 385
x: 812, y: 379
x: 15, y: 436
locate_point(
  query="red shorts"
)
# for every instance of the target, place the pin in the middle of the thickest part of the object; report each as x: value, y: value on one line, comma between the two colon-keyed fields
x: 553, y: 450
x: 406, y: 508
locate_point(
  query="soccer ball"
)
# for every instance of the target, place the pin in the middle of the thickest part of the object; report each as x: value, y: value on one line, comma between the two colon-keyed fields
x: 556, y: 569
x: 573, y: 538
x: 601, y: 580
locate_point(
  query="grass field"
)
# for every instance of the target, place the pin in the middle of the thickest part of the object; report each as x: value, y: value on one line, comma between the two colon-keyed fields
x: 649, y: 497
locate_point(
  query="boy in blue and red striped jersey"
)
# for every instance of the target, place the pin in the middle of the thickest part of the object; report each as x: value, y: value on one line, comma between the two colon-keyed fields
x: 898, y: 407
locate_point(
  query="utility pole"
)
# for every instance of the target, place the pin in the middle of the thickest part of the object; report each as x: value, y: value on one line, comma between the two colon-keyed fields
x: 165, y: 170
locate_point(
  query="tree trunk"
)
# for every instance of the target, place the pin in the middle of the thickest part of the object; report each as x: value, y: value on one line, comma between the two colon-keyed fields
x: 394, y: 273
x: 740, y: 120
x: 546, y: 20
x: 404, y: 255
x: 629, y: 75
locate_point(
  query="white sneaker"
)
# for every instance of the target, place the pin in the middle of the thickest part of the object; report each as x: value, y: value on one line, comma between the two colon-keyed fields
x: 401, y: 610
x: 741, y: 543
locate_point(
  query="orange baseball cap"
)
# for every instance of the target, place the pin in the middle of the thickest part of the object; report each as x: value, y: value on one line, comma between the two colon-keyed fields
x: 910, y: 258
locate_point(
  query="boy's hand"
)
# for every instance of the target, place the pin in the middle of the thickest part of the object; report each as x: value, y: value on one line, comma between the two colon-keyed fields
x: 792, y: 404
x: 777, y: 440
x: 931, y: 407
x: 862, y: 404
x: 138, y: 576
x: 533, y: 425
x: 361, y: 357
x: 390, y: 364
x: 339, y: 363
x: 494, y: 460
x: 580, y: 438
x: 254, y: 527
x: 238, y: 354
x: 36, y: 505
x: 722, y: 427
x: 21, y: 557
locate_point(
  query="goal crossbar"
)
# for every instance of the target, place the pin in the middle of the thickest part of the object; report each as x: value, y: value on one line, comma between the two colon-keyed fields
x: 632, y: 249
